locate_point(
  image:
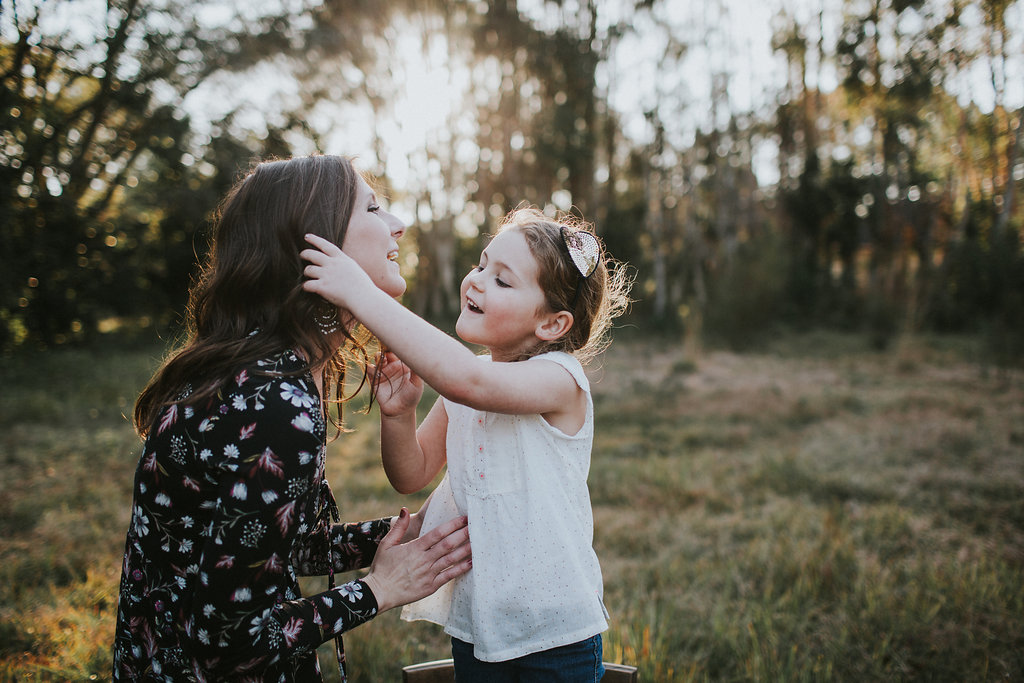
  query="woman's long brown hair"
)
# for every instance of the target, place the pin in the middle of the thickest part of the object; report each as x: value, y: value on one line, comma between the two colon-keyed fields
x: 248, y: 302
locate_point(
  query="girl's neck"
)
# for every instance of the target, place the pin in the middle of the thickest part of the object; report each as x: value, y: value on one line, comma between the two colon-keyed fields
x: 509, y: 356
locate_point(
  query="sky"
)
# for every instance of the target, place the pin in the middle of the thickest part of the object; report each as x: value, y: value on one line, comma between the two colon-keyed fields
x: 725, y: 36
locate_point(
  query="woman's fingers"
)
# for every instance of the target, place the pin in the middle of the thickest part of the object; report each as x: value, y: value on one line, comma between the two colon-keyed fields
x: 402, y: 573
x: 395, y: 535
x: 448, y: 542
x: 443, y: 531
x: 453, y: 570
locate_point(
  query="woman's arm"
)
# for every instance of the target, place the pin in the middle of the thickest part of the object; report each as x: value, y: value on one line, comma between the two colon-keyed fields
x: 353, y: 546
x: 443, y: 362
x: 244, y: 614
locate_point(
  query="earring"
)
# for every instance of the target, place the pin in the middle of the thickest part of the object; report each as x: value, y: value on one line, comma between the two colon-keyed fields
x: 326, y: 318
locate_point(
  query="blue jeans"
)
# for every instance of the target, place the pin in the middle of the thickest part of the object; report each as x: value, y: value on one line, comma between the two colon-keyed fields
x: 576, y: 663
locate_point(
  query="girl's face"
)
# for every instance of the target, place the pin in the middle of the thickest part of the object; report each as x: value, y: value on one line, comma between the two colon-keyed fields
x: 502, y: 303
x: 372, y: 241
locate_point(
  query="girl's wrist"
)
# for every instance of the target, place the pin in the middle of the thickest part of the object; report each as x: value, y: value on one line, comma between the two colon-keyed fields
x: 398, y: 417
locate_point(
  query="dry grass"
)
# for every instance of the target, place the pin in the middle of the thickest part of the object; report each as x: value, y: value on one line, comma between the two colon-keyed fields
x: 812, y: 511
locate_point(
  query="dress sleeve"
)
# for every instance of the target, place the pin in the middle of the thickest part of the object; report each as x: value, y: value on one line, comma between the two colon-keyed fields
x: 245, y: 613
x: 354, y: 546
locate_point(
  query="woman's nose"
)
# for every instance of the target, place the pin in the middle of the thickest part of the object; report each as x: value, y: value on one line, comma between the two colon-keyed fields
x: 396, y: 225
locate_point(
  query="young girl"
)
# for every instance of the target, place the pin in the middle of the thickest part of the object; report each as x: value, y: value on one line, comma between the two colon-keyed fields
x: 515, y: 429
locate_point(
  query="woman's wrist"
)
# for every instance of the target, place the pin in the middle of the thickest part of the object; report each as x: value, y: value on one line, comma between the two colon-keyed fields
x: 378, y: 592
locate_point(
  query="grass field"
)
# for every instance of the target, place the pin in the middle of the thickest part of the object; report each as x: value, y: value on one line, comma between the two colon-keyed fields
x: 812, y: 511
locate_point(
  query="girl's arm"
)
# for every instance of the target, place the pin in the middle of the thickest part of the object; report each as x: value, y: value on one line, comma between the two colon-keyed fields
x: 412, y: 457
x: 443, y: 362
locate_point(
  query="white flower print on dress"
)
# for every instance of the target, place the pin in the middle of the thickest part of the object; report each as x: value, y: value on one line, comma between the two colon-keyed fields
x: 303, y: 423
x: 140, y: 523
x: 252, y: 533
x: 249, y: 481
x: 351, y: 591
x: 297, y: 397
x: 258, y: 623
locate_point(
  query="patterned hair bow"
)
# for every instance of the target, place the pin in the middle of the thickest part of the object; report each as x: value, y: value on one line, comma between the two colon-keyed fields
x: 584, y: 250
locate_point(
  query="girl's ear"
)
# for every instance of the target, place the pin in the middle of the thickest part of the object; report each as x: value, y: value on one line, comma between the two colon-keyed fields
x: 554, y: 325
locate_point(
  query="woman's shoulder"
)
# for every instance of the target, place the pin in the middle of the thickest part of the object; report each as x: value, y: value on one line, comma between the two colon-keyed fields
x: 278, y: 380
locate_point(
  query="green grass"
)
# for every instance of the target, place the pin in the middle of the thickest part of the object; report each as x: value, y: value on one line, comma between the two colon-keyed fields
x: 812, y: 511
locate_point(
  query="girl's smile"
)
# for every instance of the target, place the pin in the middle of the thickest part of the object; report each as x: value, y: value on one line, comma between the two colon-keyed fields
x: 502, y: 302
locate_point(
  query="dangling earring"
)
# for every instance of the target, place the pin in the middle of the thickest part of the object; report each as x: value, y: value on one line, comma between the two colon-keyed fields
x: 326, y: 318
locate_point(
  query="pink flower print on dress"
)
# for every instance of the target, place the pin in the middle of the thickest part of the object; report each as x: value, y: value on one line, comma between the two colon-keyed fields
x: 284, y: 517
x: 169, y: 418
x: 291, y: 630
x: 270, y: 463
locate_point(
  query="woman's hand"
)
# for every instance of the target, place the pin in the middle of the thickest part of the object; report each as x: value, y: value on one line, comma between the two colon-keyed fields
x: 398, y: 389
x: 405, y: 572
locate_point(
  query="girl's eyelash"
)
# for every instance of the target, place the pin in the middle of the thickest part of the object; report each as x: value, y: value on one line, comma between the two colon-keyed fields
x: 374, y: 208
x: 501, y: 283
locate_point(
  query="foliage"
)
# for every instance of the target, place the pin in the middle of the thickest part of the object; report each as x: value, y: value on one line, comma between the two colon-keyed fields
x: 892, y: 189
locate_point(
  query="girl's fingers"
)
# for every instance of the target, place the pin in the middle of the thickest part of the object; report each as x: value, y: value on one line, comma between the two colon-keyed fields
x: 314, y: 256
x: 326, y: 246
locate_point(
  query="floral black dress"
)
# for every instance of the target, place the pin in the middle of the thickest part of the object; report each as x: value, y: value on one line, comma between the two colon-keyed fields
x: 230, y: 506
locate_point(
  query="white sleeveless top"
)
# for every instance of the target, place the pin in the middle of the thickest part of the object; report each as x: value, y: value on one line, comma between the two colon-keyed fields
x: 535, y: 582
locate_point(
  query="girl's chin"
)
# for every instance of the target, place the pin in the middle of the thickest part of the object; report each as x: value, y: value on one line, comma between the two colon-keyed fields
x: 461, y: 328
x: 393, y: 287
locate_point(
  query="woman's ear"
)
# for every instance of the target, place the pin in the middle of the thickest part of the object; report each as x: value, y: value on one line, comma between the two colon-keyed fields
x: 554, y: 325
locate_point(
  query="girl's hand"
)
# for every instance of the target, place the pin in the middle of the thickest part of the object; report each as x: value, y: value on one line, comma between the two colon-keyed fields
x: 405, y: 572
x: 332, y: 273
x: 398, y: 389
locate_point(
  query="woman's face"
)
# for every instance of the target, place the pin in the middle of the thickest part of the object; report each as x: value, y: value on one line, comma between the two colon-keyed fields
x: 372, y: 241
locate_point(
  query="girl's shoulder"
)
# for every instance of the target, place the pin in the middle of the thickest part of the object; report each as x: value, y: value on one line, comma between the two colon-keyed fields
x: 567, y: 361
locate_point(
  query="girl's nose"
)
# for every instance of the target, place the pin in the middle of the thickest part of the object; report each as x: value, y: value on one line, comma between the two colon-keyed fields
x: 473, y: 279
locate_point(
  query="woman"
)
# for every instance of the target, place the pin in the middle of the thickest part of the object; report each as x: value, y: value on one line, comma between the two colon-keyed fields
x: 230, y: 500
